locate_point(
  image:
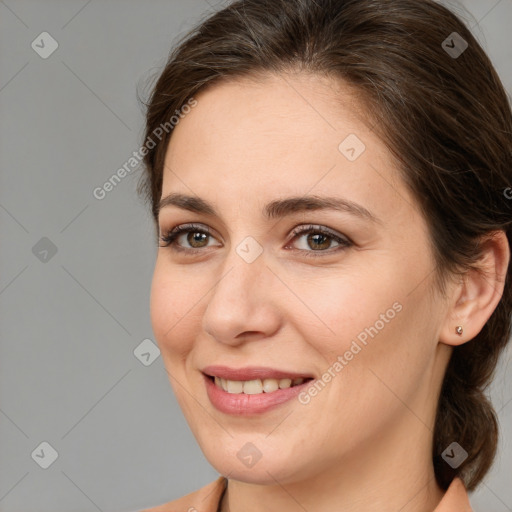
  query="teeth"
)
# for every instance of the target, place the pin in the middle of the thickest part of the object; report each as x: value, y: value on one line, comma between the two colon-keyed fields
x: 270, y: 385
x: 285, y: 383
x: 251, y: 387
x: 256, y: 386
x: 234, y: 386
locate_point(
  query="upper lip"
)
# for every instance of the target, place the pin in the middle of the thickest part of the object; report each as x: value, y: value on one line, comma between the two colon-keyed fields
x: 252, y: 373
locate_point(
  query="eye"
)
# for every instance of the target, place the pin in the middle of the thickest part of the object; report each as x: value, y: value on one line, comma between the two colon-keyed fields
x: 196, y: 236
x: 319, y: 238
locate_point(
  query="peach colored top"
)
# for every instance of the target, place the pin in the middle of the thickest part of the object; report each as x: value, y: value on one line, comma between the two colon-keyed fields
x: 207, y: 499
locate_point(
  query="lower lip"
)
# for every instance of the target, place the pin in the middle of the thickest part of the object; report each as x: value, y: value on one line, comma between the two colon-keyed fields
x: 241, y: 404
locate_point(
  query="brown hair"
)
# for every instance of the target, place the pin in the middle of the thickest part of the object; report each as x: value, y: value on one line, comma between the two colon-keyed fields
x: 446, y: 118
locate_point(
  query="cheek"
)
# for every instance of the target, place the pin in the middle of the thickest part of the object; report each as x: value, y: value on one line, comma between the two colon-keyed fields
x: 372, y: 321
x: 173, y: 304
x: 383, y: 349
x: 355, y: 304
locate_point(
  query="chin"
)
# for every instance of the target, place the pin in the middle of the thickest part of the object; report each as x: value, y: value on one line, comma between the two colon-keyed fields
x: 260, y: 473
x: 240, y: 459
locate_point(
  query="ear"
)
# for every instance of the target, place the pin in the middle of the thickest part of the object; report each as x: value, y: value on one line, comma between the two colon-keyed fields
x: 475, y: 298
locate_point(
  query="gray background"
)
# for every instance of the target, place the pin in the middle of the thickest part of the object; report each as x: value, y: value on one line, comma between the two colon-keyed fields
x: 70, y: 324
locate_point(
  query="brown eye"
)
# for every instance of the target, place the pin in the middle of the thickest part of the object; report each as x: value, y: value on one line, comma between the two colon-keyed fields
x: 196, y: 238
x: 318, y: 241
x: 187, y: 237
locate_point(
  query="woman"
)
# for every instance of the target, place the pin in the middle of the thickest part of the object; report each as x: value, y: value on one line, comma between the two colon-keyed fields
x: 328, y: 181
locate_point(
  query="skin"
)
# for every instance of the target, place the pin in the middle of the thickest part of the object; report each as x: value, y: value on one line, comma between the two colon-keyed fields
x: 364, y: 442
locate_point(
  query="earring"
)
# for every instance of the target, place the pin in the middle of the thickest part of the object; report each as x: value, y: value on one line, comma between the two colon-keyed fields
x: 459, y: 330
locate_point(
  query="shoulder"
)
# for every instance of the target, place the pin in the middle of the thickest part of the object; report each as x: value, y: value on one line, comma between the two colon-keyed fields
x: 205, y: 499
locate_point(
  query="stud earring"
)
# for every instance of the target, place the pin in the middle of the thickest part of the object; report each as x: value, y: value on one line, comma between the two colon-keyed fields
x: 459, y: 330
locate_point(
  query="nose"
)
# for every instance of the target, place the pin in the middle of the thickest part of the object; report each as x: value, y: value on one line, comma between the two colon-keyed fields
x: 243, y: 304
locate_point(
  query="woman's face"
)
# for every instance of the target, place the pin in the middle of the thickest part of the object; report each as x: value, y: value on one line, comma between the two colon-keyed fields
x: 348, y: 306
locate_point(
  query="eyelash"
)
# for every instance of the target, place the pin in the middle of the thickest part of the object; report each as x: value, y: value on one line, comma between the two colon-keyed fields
x: 169, y: 238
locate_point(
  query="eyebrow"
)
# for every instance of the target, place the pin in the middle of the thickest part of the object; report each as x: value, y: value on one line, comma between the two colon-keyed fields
x: 275, y: 209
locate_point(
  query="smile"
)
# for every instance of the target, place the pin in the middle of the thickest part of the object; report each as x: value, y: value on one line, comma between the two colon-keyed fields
x: 251, y: 391
x: 256, y: 386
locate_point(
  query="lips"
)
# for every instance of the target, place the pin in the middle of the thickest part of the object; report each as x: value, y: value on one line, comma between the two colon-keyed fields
x: 252, y: 390
x: 252, y: 373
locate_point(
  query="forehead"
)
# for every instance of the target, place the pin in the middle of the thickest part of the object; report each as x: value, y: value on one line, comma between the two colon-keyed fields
x: 270, y: 115
x: 277, y: 136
